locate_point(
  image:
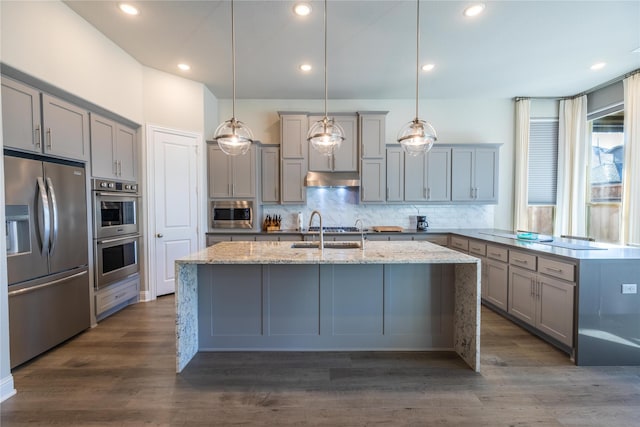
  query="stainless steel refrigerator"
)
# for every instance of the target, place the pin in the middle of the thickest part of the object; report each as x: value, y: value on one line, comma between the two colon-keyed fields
x: 47, y: 253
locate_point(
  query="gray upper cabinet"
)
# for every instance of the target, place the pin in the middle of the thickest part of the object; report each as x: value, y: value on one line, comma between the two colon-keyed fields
x: 113, y: 150
x: 426, y: 178
x: 292, y: 181
x: 66, y: 129
x: 21, y: 116
x: 231, y: 176
x: 294, y: 150
x: 293, y: 133
x: 395, y: 174
x: 474, y: 172
x: 62, y: 130
x: 372, y: 181
x: 373, y: 164
x: 345, y: 159
x: 270, y: 173
x: 372, y: 135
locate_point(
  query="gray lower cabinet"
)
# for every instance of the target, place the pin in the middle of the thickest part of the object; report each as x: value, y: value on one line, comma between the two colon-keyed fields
x: 270, y: 173
x: 62, y: 130
x: 474, y: 174
x: 113, y: 150
x: 496, y: 275
x: 231, y: 176
x: 543, y: 302
x: 116, y: 296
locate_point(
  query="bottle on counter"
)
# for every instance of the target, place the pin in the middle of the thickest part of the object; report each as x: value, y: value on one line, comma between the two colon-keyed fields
x: 300, y: 221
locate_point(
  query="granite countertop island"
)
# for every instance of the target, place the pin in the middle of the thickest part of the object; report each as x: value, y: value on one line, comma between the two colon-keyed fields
x: 252, y: 296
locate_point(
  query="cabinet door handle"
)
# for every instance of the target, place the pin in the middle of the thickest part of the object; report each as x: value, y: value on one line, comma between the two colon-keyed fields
x: 532, y: 287
x: 429, y: 193
x: 557, y: 270
x: 520, y: 261
x: 49, y: 139
x: 471, y: 195
x: 37, y: 135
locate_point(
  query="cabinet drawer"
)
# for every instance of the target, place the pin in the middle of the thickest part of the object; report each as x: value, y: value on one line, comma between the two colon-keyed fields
x: 497, y: 253
x: 117, y: 294
x: 459, y: 243
x: 477, y: 248
x: 561, y: 270
x: 522, y: 260
x: 438, y: 240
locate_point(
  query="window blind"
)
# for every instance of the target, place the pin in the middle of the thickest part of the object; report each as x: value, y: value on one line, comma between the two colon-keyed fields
x: 543, y: 161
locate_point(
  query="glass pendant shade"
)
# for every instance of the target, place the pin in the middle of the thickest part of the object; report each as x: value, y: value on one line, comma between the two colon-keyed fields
x: 417, y: 137
x: 325, y: 136
x: 233, y: 137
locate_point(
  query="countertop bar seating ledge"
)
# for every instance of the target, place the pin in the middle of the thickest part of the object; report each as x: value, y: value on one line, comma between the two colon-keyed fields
x: 389, y: 296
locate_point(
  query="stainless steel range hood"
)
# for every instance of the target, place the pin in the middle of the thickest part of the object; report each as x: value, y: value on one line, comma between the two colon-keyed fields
x: 332, y: 179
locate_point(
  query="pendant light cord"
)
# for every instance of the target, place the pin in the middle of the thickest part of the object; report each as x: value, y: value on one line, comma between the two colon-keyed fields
x: 417, y: 53
x: 326, y: 92
x: 233, y: 63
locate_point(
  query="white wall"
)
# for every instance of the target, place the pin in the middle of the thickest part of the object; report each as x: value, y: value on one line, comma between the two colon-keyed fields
x: 49, y: 41
x: 455, y: 120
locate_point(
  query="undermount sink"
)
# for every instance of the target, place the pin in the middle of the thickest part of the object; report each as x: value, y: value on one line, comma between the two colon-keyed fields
x: 328, y: 245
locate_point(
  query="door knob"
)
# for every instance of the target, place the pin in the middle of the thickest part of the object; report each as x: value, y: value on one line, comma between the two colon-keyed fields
x: 159, y: 235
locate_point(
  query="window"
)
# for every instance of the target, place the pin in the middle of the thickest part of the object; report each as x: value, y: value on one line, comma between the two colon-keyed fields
x: 606, y: 166
x: 542, y: 174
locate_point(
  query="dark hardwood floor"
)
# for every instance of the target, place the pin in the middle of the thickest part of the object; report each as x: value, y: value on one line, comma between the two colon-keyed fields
x: 122, y: 373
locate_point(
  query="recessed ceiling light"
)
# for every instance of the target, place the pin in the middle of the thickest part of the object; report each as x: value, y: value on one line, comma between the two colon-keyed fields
x: 184, y: 67
x: 598, y: 66
x: 474, y: 10
x: 305, y: 67
x: 428, y: 67
x: 302, y: 9
x: 128, y: 9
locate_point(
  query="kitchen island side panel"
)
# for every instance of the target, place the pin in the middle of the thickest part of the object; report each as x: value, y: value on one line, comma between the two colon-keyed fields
x: 608, y: 320
x: 326, y: 307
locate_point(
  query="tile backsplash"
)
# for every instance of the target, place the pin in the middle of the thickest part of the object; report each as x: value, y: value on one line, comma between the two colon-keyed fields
x: 341, y: 207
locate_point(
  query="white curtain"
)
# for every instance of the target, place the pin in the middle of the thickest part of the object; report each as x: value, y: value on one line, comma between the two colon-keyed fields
x: 573, y: 152
x: 630, y: 223
x: 521, y: 181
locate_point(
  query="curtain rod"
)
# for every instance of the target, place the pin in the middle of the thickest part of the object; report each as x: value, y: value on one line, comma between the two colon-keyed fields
x: 587, y: 92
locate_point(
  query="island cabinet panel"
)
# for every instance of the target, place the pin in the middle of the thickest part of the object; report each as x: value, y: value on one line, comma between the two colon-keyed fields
x: 357, y: 304
x: 326, y: 307
x: 292, y: 300
x: 233, y: 302
x: 419, y: 307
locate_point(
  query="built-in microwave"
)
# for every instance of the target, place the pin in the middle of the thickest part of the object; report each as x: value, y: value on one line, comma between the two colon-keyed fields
x: 229, y: 214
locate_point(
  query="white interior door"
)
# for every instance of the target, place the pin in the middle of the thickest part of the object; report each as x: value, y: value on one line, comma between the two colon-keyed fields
x: 176, y: 203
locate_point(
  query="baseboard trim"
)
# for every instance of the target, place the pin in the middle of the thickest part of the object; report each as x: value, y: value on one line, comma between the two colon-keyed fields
x: 6, y: 388
x: 145, y: 296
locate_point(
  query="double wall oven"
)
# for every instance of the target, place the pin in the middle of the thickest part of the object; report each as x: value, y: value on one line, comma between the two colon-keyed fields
x: 116, y: 231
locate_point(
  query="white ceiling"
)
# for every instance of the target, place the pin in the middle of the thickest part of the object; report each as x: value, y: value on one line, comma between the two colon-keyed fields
x: 515, y: 48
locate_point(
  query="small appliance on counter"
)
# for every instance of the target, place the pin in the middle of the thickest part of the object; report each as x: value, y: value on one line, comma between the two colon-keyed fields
x: 421, y: 223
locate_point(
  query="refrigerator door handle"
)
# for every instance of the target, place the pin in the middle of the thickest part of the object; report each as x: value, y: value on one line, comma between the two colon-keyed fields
x: 54, y: 204
x: 46, y: 216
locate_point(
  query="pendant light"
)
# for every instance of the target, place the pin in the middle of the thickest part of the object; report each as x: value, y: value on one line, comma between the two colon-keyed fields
x: 417, y: 136
x: 325, y: 135
x: 233, y: 137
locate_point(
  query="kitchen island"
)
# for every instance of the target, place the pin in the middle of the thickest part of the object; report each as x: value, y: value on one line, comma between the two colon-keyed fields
x: 256, y: 296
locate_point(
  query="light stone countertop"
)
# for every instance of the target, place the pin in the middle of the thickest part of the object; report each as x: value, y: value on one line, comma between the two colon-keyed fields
x: 401, y: 252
